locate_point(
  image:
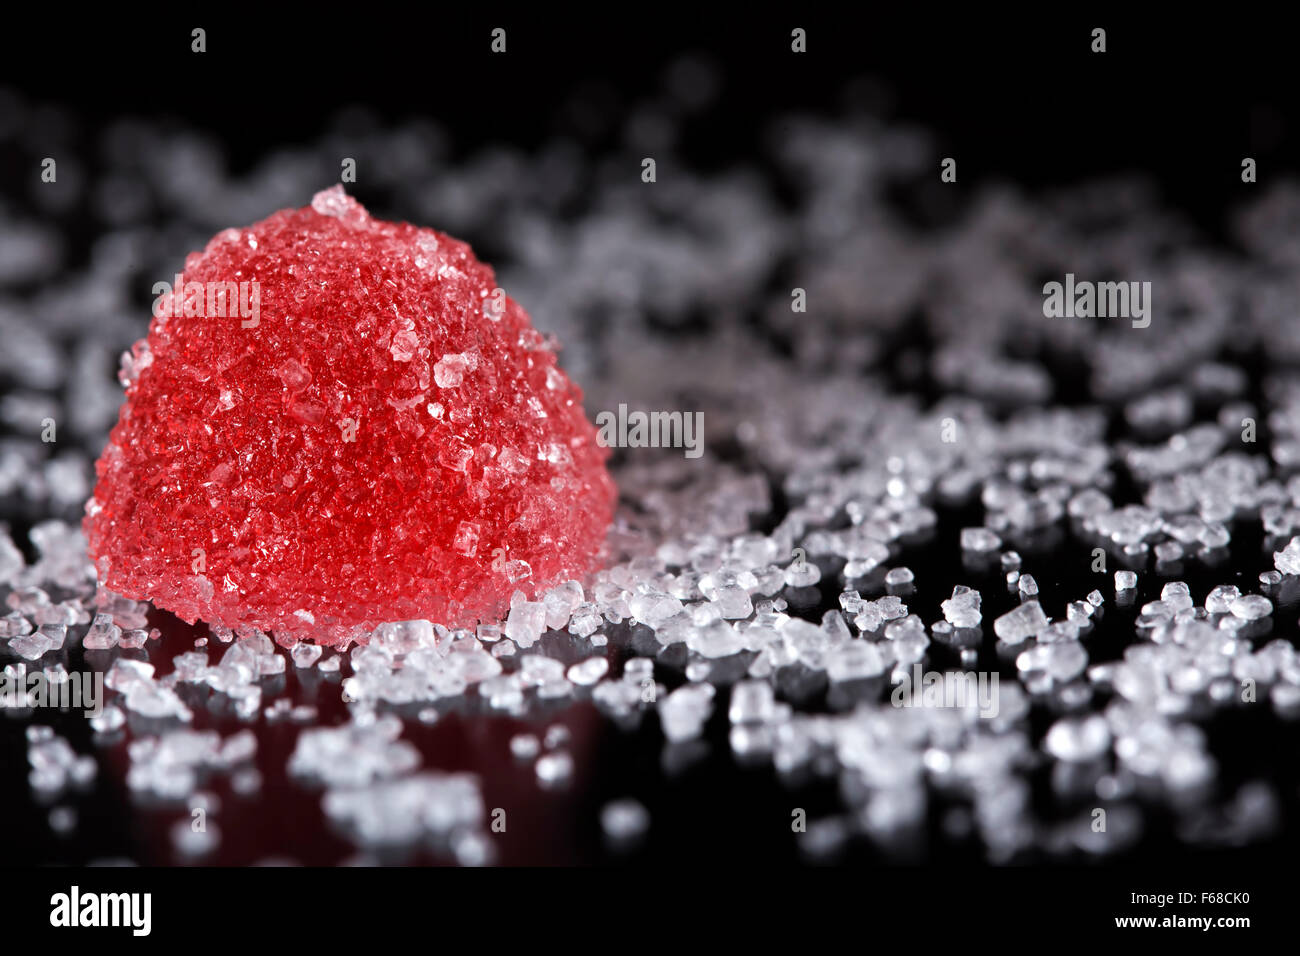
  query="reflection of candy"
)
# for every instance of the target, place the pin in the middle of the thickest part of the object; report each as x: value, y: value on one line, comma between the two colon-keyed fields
x: 365, y: 430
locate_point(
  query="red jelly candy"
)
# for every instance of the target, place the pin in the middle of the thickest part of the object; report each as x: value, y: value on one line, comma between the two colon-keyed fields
x: 338, y: 421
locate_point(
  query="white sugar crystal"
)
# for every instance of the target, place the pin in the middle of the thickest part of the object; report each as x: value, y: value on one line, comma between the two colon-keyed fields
x: 190, y: 667
x: 1231, y: 623
x: 1215, y: 536
x: 733, y: 602
x: 103, y: 634
x: 154, y: 700
x: 697, y: 671
x: 526, y: 622
x: 1079, y: 613
x: 836, y: 628
x: 403, y: 637
x: 1088, y: 503
x: 1169, y: 551
x: 638, y: 669
x: 465, y: 667
x: 305, y: 654
x: 560, y: 603
x: 870, y: 620
x: 353, y: 754
x: 127, y: 674
x: 1286, y: 700
x: 28, y: 600
x: 909, y: 626
x: 504, y: 692
x: 752, y: 701
x: 1059, y: 631
x: 83, y: 771
x: 715, y: 640
x: 891, y: 607
x: 586, y: 619
x: 1219, y: 600
x: 246, y: 782
x: 1078, y: 740
x: 683, y: 712
x: 852, y: 602
x: 979, y: 540
x: 1028, y: 587
x: 63, y: 820
x: 1125, y: 580
x: 802, y: 575
x: 769, y: 579
x: 1287, y: 561
x: 133, y: 639
x: 588, y: 672
x: 554, y: 769
x: 11, y: 559
x: 535, y: 670
x: 1021, y: 624
x: 525, y: 746
x: 963, y: 608
x: 192, y: 843
x: 899, y: 576
x: 422, y: 806
x: 1251, y: 607
x: 238, y: 748
x: 653, y: 609
x: 855, y: 661
x: 910, y: 648
x: 30, y: 646
x: 108, y: 721
x: 55, y: 765
x: 624, y: 821
x: 1060, y: 661
x: 622, y: 698
x: 334, y: 202
x: 14, y: 625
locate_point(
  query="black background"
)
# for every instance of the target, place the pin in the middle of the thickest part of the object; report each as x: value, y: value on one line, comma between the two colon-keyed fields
x: 1181, y: 99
